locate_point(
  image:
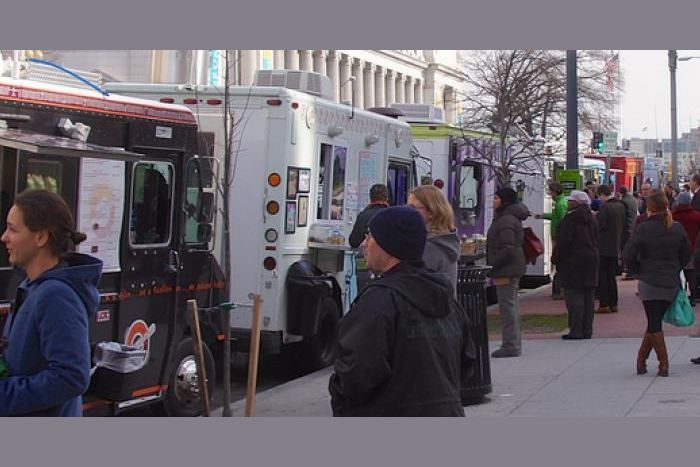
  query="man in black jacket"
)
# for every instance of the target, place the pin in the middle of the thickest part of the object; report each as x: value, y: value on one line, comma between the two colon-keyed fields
x: 611, y: 221
x: 404, y: 347
x: 378, y: 199
x: 695, y: 191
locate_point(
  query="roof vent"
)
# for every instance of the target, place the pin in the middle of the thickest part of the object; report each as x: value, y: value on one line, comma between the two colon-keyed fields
x: 315, y: 84
x: 420, y: 113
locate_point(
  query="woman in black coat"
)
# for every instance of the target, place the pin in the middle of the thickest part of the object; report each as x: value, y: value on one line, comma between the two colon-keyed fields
x: 576, y: 257
x: 657, y: 252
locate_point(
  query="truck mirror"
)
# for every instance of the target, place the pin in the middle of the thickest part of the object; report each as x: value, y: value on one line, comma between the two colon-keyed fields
x: 204, y: 233
x: 207, y: 207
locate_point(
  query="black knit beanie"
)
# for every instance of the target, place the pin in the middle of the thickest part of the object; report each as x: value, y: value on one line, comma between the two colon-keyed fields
x: 507, y: 195
x: 400, y: 231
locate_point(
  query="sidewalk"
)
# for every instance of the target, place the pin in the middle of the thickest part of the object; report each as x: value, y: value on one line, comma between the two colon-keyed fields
x: 552, y: 377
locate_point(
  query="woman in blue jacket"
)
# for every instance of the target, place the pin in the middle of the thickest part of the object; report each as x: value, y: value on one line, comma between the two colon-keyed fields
x: 46, y: 336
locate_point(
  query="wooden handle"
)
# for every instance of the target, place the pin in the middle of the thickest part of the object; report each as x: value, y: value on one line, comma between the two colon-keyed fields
x: 253, y: 357
x: 199, y: 357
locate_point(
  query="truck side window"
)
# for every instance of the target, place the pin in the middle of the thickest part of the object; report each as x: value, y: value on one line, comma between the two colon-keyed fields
x: 199, y: 202
x: 331, y: 182
x: 151, y: 204
x: 398, y: 182
x: 8, y: 164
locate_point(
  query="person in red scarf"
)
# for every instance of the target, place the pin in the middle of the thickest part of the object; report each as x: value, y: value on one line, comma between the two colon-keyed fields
x: 684, y: 213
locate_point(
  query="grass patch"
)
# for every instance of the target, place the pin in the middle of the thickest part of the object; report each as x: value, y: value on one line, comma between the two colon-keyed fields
x: 532, y: 324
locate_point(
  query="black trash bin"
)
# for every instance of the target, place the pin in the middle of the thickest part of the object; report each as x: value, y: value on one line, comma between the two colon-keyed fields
x: 471, y: 294
x: 306, y: 287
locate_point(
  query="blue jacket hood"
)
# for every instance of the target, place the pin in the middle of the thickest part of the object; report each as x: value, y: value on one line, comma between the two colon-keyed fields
x: 82, y: 273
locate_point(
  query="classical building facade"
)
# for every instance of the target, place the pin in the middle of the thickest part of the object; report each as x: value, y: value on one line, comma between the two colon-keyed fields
x: 381, y: 77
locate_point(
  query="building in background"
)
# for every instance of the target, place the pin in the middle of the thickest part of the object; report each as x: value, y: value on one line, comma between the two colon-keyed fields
x: 381, y: 77
x: 657, y: 156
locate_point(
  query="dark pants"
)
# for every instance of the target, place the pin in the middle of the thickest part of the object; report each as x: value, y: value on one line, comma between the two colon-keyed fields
x: 580, y: 305
x: 655, y: 310
x: 607, y: 285
x: 556, y: 285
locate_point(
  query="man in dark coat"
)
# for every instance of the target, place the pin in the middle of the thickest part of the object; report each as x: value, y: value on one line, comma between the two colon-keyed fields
x: 611, y: 221
x: 404, y: 347
x: 631, y: 207
x: 695, y: 190
x: 378, y: 199
x: 576, y: 257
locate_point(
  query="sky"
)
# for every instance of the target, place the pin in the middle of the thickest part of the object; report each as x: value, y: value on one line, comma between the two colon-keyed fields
x: 646, y: 99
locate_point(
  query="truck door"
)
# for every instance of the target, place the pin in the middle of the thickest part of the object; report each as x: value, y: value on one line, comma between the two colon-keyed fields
x: 150, y: 270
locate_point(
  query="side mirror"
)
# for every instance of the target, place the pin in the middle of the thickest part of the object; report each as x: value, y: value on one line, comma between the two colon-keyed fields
x: 204, y: 233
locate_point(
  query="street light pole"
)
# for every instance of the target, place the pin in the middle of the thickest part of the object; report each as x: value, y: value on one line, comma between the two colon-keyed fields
x: 571, y: 111
x: 672, y: 61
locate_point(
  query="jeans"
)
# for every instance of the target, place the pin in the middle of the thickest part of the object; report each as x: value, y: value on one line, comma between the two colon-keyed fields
x: 580, y: 305
x: 510, y: 314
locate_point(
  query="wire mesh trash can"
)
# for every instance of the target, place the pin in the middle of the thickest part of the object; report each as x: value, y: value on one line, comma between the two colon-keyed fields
x: 471, y: 294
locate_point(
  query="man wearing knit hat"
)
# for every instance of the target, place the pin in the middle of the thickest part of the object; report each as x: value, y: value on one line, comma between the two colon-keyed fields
x: 404, y: 347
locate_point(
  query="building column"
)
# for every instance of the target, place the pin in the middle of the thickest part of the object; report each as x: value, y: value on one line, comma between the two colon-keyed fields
x: 357, y: 67
x: 429, y: 85
x: 345, y: 73
x: 320, y: 61
x: 368, y: 85
x: 390, y: 87
x: 305, y: 60
x: 379, y: 86
x: 332, y: 71
x: 291, y: 59
x: 399, y: 87
x: 418, y: 91
x: 450, y: 105
x: 409, y: 90
x: 278, y: 59
x: 249, y: 63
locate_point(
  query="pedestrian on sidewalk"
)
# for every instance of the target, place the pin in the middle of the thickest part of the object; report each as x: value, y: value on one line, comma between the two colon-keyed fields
x: 504, y: 253
x: 378, y: 199
x: 556, y: 191
x: 611, y: 221
x: 689, y: 218
x: 695, y: 190
x: 404, y: 347
x: 576, y: 257
x: 657, y: 252
x: 442, y: 246
x: 631, y: 207
x: 644, y: 191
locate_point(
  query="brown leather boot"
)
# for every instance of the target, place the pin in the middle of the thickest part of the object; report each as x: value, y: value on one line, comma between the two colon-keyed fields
x: 657, y: 341
x: 643, y: 354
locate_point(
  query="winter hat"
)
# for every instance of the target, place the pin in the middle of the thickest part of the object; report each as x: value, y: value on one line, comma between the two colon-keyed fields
x: 684, y: 198
x: 400, y: 231
x: 580, y: 197
x: 507, y: 195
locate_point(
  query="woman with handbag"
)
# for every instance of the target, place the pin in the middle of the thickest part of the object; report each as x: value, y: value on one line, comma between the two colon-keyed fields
x: 657, y: 252
x: 504, y: 253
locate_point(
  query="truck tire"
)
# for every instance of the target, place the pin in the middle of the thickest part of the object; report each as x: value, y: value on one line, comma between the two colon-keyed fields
x: 322, y: 346
x: 182, y: 397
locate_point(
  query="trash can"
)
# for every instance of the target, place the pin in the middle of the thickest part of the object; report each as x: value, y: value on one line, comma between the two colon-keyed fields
x: 471, y: 294
x: 306, y: 287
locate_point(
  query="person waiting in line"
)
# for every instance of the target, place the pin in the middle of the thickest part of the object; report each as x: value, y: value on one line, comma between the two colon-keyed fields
x: 47, y: 347
x: 631, y: 210
x: 504, y: 253
x: 378, y: 199
x: 442, y: 246
x: 560, y: 206
x: 576, y: 257
x: 404, y: 348
x: 657, y: 252
x: 695, y: 191
x: 689, y: 218
x: 611, y: 221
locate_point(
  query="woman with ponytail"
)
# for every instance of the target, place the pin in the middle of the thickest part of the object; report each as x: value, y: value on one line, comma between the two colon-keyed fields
x: 47, y: 346
x: 656, y: 253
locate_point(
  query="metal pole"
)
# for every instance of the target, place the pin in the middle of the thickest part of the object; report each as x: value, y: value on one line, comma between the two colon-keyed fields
x: 571, y: 111
x: 672, y: 61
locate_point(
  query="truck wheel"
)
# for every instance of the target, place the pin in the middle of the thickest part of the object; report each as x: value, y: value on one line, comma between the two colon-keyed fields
x: 322, y: 346
x: 182, y: 398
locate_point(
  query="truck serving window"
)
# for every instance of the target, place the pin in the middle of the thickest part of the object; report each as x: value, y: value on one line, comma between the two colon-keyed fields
x: 8, y: 167
x: 151, y: 203
x: 44, y: 175
x: 398, y: 183
x: 331, y: 182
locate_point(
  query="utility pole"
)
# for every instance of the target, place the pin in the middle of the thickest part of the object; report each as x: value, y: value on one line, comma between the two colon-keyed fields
x: 571, y: 111
x: 672, y: 61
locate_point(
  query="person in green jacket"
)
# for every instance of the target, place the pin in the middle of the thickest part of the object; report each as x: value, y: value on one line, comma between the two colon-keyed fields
x: 560, y: 206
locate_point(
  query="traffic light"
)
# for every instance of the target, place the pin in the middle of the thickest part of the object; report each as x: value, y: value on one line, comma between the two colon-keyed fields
x: 597, y: 142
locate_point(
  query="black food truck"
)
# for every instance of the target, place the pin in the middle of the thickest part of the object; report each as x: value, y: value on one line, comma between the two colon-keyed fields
x: 136, y: 175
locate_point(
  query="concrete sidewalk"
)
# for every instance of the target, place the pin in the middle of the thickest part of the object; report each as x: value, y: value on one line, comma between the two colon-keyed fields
x: 552, y: 378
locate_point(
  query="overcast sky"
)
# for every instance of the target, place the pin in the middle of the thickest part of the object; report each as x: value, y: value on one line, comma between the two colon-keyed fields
x: 646, y: 99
